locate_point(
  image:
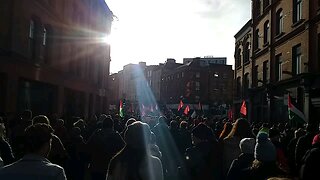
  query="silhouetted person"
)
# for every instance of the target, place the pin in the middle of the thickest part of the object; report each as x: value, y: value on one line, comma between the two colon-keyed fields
x: 103, y: 145
x: 134, y: 162
x: 305, y: 143
x: 58, y: 154
x: 244, y: 160
x: 35, y: 165
x: 202, y: 161
x: 310, y: 162
x: 264, y: 165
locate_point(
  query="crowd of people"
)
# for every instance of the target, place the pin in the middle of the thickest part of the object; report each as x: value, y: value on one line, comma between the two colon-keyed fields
x: 108, y: 147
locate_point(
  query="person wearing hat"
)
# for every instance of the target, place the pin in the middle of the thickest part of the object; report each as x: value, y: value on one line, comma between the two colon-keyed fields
x: 244, y: 160
x: 35, y: 165
x: 264, y: 165
x: 135, y: 161
x: 202, y: 160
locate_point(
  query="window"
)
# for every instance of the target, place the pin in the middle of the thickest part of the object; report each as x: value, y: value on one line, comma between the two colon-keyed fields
x: 238, y: 58
x: 238, y: 86
x: 246, y: 53
x: 279, y: 21
x: 44, y: 36
x: 258, y: 8
x: 246, y: 84
x: 266, y: 32
x: 197, y: 86
x: 256, y: 40
x: 32, y: 41
x: 278, y: 67
x: 265, y: 72
x: 297, y: 10
x: 255, y: 76
x: 266, y: 3
x: 296, y: 59
x: 182, y: 74
x: 197, y: 75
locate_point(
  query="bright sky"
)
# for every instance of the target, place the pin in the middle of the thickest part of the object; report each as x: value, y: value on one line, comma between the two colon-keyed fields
x: 154, y: 30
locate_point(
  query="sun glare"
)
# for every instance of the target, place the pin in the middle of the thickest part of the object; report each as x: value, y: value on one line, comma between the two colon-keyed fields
x: 106, y: 39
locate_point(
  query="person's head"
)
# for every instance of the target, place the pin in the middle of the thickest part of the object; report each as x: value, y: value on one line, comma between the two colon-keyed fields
x: 183, y: 125
x: 241, y: 128
x: 264, y: 150
x: 38, y: 139
x: 174, y: 125
x: 274, y: 135
x: 40, y: 119
x: 60, y: 122
x: 299, y: 133
x: 26, y: 115
x: 130, y: 121
x: 107, y: 122
x: 138, y: 135
x: 201, y: 133
x: 247, y: 145
x: 162, y: 120
x: 80, y: 124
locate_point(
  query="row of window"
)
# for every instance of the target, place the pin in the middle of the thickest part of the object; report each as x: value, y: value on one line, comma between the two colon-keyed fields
x: 297, y: 9
x: 296, y: 16
x: 296, y: 69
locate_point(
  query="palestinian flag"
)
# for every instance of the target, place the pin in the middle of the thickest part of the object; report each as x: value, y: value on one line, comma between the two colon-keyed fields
x: 295, y: 114
x: 121, y: 114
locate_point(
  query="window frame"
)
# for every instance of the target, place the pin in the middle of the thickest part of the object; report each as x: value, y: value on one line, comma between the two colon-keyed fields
x: 279, y: 22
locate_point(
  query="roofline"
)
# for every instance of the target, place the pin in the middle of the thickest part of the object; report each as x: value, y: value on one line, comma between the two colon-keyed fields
x: 246, y: 26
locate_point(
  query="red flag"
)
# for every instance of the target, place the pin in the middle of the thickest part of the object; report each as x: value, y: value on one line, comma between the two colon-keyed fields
x: 243, y: 109
x: 180, y: 105
x: 186, y: 111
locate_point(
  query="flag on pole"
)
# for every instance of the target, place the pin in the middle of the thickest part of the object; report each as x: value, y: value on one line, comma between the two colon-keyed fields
x: 186, y: 111
x: 243, y: 109
x: 194, y: 114
x: 121, y: 114
x: 294, y: 113
x: 180, y: 105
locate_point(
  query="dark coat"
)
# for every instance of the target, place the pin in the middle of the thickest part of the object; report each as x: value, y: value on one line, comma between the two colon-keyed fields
x: 310, y: 164
x: 202, y: 161
x: 242, y: 162
x: 264, y: 171
x: 303, y: 145
x: 103, y: 145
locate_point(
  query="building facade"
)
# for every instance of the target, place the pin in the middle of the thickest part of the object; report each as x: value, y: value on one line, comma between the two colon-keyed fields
x: 284, y: 60
x: 198, y: 81
x: 52, y: 56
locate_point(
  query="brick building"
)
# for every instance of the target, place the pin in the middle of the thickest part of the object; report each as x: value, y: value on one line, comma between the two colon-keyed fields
x: 52, y: 56
x: 284, y: 41
x: 198, y: 80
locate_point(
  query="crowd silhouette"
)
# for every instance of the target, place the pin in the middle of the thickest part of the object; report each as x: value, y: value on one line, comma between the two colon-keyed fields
x: 164, y: 147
